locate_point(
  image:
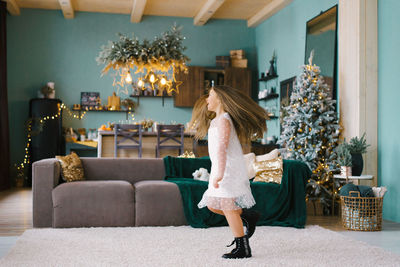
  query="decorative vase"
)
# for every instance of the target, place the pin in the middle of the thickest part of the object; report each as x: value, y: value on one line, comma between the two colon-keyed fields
x: 345, y: 171
x: 358, y: 164
x: 271, y: 71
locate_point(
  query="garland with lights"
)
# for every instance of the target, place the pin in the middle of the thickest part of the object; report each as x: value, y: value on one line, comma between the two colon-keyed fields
x: 311, y: 132
x: 40, y: 123
x: 157, y: 61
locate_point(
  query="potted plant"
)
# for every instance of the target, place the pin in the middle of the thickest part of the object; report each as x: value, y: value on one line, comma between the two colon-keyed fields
x: 147, y: 124
x: 358, y: 146
x: 344, y: 159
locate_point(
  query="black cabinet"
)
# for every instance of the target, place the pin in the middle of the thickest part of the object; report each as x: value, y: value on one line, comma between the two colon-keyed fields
x: 46, y: 139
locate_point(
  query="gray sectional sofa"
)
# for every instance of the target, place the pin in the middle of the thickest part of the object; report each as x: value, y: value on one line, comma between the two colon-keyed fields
x: 117, y: 192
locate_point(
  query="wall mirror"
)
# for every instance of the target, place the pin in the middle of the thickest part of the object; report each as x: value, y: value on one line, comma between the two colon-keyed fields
x: 322, y: 37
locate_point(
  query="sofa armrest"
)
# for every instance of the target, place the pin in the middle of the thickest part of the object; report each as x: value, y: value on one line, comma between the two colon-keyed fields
x: 45, y: 177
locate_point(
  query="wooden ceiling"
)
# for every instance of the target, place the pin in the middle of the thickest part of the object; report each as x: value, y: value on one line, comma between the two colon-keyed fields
x: 254, y: 11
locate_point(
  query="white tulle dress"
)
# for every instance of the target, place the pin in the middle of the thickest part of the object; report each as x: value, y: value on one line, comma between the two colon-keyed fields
x: 227, y: 161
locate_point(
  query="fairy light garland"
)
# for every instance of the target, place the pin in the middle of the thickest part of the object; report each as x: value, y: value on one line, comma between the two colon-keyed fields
x: 20, y: 167
x: 63, y: 106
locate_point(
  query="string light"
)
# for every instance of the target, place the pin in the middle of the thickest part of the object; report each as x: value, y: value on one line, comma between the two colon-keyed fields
x: 128, y: 78
x: 20, y: 167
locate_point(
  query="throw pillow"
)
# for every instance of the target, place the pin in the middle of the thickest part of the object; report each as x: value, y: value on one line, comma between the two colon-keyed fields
x: 250, y: 158
x: 71, y: 167
x: 271, y: 155
x: 269, y: 171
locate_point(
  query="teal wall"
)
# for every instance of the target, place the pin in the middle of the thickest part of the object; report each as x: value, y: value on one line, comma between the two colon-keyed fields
x: 388, y: 102
x: 285, y: 32
x: 43, y: 46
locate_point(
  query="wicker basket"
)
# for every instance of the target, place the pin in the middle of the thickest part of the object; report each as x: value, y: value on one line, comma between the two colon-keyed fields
x: 361, y: 213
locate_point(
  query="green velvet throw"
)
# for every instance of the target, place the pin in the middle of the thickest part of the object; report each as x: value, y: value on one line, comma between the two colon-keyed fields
x: 279, y: 205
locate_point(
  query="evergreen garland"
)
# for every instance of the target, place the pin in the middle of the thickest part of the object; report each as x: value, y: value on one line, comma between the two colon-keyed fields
x: 127, y: 52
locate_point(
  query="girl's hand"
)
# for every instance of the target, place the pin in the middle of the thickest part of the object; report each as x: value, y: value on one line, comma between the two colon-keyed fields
x: 216, y: 181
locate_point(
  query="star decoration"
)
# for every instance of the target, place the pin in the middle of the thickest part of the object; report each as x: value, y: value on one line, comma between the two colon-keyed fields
x: 174, y: 86
x: 166, y: 87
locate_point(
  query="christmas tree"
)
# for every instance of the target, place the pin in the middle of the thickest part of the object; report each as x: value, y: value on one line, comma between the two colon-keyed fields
x: 311, y: 131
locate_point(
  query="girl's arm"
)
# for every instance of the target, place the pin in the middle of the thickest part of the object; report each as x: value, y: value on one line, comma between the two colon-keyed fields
x: 224, y: 131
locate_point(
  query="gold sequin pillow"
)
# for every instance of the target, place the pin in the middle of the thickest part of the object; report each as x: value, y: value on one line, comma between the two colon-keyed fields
x: 71, y: 166
x: 269, y: 171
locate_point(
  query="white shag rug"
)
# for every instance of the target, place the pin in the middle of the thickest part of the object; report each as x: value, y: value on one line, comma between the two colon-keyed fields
x: 186, y: 246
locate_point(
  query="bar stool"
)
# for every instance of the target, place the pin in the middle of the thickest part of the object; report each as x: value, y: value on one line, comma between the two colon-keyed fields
x: 169, y: 132
x: 128, y: 132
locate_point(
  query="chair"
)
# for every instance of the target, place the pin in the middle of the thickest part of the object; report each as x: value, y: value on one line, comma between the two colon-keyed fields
x: 169, y: 132
x: 128, y: 132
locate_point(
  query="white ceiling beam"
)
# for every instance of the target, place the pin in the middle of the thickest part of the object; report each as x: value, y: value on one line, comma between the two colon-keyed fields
x: 267, y: 11
x: 67, y: 9
x: 206, y: 11
x: 137, y: 10
x: 13, y: 8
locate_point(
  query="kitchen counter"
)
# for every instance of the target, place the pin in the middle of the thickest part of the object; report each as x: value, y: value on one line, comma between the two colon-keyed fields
x: 149, y: 140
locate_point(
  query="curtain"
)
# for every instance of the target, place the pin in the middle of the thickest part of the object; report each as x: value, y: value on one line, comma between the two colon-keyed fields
x: 4, y: 129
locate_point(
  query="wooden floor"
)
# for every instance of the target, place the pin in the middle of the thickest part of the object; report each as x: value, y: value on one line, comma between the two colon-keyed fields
x: 15, y: 211
x: 16, y: 214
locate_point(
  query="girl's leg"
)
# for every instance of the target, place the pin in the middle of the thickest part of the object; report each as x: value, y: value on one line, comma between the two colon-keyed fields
x: 242, y: 249
x: 234, y: 221
x: 220, y: 212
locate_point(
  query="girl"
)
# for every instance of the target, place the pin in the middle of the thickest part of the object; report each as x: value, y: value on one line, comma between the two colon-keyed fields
x: 228, y: 115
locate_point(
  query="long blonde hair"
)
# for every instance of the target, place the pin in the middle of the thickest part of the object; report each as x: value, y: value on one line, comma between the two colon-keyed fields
x: 249, y: 119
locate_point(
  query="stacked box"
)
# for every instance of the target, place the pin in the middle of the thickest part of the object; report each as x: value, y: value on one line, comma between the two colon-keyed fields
x: 238, y: 59
x: 237, y: 54
x: 239, y: 63
x: 223, y: 61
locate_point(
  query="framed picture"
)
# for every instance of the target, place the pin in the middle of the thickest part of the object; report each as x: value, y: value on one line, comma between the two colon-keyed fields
x: 285, y: 93
x: 286, y: 90
x: 90, y: 100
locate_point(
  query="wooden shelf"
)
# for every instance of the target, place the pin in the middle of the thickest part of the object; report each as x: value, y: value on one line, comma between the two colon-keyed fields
x: 101, y: 110
x: 126, y: 111
x: 150, y: 95
x: 267, y: 78
x: 270, y: 96
x: 139, y: 96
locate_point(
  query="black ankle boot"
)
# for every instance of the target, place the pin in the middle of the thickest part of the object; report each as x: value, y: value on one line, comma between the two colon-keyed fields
x: 242, y: 249
x: 250, y: 219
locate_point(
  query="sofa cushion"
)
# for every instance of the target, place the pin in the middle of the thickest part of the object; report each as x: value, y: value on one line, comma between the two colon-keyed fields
x: 250, y: 158
x: 71, y: 166
x: 271, y: 155
x: 269, y: 171
x: 158, y: 203
x: 93, y: 204
x: 128, y: 169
